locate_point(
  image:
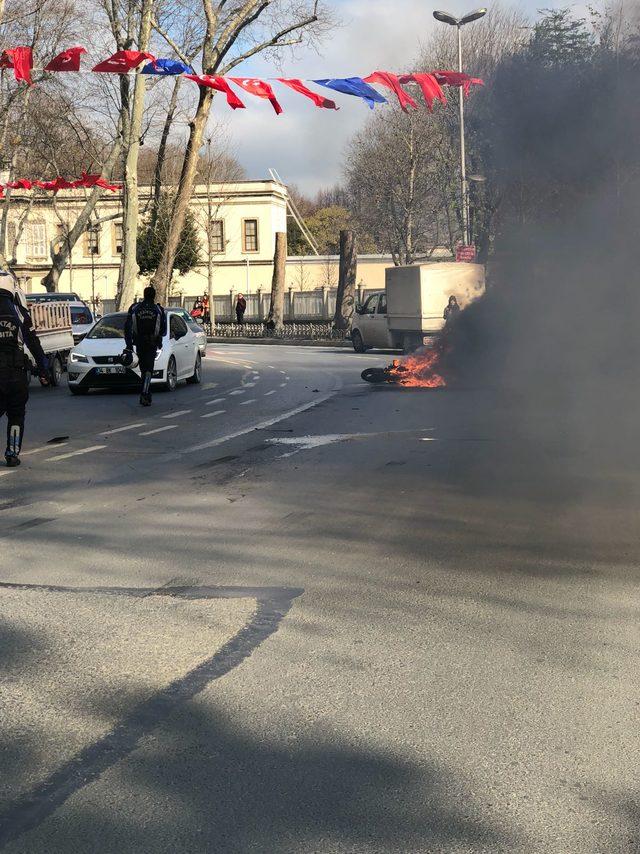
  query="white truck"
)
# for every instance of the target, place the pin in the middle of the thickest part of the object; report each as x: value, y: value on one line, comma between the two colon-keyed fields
x: 410, y: 310
x: 52, y: 324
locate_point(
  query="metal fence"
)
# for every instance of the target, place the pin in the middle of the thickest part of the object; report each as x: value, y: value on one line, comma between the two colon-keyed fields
x: 317, y: 306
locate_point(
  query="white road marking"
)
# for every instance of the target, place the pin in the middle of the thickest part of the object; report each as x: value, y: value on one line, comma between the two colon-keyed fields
x: 283, y: 372
x: 260, y: 425
x: 209, y: 386
x: 217, y: 400
x: 273, y: 367
x: 247, y: 402
x: 159, y: 430
x: 249, y: 385
x: 282, y: 385
x: 248, y: 366
x: 273, y: 391
x: 177, y: 414
x: 237, y: 391
x: 8, y: 471
x: 287, y: 378
x: 46, y: 448
x: 75, y: 453
x: 122, y: 429
x: 213, y: 414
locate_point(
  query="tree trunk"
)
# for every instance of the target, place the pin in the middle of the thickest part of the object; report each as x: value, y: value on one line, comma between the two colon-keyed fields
x: 164, y: 272
x: 61, y: 257
x: 129, y: 264
x: 275, y: 318
x: 345, y: 301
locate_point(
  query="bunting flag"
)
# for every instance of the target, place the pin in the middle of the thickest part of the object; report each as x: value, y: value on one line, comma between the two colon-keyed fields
x: 318, y: 100
x: 392, y: 81
x: 170, y: 67
x: 354, y: 86
x: 122, y: 62
x: 431, y: 89
x: 458, y: 78
x: 21, y: 60
x: 220, y: 85
x: 68, y: 60
x: 259, y: 88
x: 59, y: 183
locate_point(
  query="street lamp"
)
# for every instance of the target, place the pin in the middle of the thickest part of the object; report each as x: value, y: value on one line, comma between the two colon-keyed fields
x: 447, y: 18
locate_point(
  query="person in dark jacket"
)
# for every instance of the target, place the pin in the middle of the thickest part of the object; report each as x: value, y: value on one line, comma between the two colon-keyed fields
x: 144, y: 329
x: 452, y: 310
x: 16, y: 332
x: 241, y: 307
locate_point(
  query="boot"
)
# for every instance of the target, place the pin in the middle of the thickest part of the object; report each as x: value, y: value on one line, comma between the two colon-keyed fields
x: 11, y: 458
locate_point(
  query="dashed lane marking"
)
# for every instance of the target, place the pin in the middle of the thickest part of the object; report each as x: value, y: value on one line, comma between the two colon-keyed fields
x: 238, y: 391
x: 213, y: 414
x: 283, y: 372
x: 249, y: 367
x: 159, y: 430
x: 249, y: 385
x: 282, y: 385
x: 8, y: 471
x: 177, y: 414
x: 273, y: 391
x: 82, y: 451
x: 121, y: 429
x: 40, y: 450
x: 273, y: 367
x: 209, y: 386
x: 217, y: 400
x: 247, y: 402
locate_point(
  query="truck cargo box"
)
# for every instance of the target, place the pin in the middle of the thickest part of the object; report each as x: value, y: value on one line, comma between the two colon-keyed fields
x: 417, y: 295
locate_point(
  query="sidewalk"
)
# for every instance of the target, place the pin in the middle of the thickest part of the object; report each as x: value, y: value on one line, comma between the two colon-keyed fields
x: 290, y: 342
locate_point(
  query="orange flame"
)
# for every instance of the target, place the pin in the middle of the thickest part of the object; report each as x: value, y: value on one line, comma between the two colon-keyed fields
x: 418, y: 370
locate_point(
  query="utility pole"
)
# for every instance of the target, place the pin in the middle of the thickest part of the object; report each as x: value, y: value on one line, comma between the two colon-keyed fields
x: 447, y: 18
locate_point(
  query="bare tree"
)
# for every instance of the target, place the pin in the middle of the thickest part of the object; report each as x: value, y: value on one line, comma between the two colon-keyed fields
x: 230, y: 35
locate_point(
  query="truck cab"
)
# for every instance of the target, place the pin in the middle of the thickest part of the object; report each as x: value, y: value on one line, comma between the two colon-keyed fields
x: 369, y: 327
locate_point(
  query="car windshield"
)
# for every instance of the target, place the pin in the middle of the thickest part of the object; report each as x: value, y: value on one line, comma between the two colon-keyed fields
x: 80, y: 315
x: 111, y: 326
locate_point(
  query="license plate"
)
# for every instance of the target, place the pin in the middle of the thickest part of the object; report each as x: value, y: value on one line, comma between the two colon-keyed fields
x: 117, y: 369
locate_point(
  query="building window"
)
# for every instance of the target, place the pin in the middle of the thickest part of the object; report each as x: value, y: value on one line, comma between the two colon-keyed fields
x: 91, y: 241
x: 118, y: 238
x: 250, y: 235
x: 217, y: 235
x: 36, y: 237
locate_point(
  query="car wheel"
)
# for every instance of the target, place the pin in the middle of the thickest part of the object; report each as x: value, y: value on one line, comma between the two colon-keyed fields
x: 78, y: 390
x: 55, y: 371
x: 172, y: 375
x: 197, y: 371
x: 358, y: 343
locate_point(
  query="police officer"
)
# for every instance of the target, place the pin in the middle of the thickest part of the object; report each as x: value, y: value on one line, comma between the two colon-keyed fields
x: 16, y: 331
x: 144, y: 329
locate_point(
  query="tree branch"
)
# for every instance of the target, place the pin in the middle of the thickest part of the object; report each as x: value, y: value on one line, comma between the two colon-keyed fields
x: 273, y: 42
x: 174, y: 47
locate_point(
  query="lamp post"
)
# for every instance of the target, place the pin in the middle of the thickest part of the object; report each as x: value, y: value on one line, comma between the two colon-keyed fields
x: 447, y: 18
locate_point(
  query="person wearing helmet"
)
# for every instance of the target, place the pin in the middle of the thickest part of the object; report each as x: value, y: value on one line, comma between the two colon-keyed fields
x: 144, y: 329
x: 16, y: 332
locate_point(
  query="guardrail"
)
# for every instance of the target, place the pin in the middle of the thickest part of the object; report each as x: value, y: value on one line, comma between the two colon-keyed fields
x: 293, y: 331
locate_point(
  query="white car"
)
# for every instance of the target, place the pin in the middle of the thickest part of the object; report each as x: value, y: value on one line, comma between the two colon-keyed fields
x: 95, y: 361
x: 196, y: 328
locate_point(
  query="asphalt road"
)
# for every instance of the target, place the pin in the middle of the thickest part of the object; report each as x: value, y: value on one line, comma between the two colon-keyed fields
x: 286, y: 611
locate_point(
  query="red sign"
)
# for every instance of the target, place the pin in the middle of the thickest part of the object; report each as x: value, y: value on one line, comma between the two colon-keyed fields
x: 466, y: 253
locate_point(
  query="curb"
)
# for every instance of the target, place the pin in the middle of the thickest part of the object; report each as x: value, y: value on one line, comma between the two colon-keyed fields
x: 286, y: 342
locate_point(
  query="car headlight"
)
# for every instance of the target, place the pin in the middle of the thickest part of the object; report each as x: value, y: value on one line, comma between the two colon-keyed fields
x: 78, y: 357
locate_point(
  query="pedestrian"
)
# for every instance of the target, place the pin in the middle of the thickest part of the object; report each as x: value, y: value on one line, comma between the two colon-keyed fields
x: 198, y: 309
x: 144, y: 329
x: 16, y: 331
x: 241, y: 307
x: 452, y: 310
x: 206, y: 316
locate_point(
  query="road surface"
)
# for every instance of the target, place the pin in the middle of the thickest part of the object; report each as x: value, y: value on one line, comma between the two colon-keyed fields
x: 286, y: 611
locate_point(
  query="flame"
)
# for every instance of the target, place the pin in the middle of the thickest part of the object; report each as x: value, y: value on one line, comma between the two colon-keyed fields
x: 418, y: 370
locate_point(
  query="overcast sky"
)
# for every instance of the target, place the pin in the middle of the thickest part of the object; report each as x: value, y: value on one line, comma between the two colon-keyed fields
x: 306, y: 144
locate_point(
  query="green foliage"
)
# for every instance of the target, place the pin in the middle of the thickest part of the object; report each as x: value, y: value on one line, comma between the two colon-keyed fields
x: 560, y: 39
x: 153, y: 234
x: 325, y: 225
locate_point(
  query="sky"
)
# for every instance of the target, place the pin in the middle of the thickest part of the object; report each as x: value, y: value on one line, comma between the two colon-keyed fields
x: 306, y: 145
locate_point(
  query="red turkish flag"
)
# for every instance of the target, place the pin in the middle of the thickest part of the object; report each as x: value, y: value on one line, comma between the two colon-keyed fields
x: 220, y: 85
x: 68, y: 60
x: 458, y: 78
x: 431, y: 89
x: 318, y: 100
x: 21, y: 59
x: 392, y: 81
x: 90, y: 181
x: 20, y: 184
x: 259, y: 88
x: 54, y: 186
x: 123, y: 61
